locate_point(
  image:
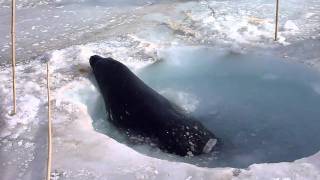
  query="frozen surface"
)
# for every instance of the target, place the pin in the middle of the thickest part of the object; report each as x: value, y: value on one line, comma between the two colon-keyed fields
x: 44, y: 25
x: 136, y: 33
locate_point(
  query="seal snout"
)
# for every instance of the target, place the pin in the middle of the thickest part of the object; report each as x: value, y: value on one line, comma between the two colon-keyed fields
x: 94, y: 59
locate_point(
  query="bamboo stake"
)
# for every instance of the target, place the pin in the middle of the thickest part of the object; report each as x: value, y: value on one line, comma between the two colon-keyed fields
x: 49, y: 126
x: 277, y: 21
x: 13, y: 54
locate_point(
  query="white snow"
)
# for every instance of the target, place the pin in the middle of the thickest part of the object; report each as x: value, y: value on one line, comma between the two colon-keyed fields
x: 290, y: 26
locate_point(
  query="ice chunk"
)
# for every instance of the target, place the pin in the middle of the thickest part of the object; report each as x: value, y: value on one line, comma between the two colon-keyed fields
x: 290, y: 26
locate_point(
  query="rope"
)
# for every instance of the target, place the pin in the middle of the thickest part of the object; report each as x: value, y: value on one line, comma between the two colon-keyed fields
x: 277, y: 21
x: 49, y: 126
x: 13, y: 54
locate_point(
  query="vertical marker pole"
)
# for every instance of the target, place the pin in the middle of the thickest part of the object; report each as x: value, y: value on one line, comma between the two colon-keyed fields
x: 49, y: 126
x: 277, y: 21
x: 13, y: 54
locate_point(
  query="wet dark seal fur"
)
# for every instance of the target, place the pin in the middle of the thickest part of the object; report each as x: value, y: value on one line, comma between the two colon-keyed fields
x: 134, y: 106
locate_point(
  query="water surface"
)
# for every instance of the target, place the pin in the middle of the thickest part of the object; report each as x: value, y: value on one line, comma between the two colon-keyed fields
x: 263, y: 109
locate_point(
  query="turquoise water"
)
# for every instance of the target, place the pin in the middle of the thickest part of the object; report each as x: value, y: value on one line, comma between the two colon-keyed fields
x: 262, y: 108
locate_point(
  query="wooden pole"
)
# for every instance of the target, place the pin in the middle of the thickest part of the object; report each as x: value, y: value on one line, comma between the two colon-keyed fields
x: 49, y: 126
x: 13, y: 54
x: 277, y: 21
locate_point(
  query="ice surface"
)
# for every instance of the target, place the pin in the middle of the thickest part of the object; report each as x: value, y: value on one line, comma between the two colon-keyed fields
x: 48, y: 25
x: 67, y: 32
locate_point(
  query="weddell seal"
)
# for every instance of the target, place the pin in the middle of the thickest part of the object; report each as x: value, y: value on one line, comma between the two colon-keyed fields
x: 134, y: 106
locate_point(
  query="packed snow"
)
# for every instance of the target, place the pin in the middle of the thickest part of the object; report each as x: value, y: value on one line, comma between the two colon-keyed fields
x: 66, y: 33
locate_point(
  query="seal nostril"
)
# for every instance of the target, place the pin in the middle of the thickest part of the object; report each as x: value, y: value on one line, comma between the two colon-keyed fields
x: 93, y: 60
